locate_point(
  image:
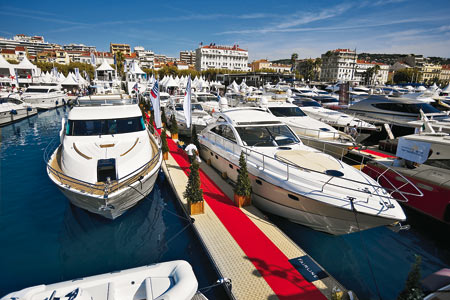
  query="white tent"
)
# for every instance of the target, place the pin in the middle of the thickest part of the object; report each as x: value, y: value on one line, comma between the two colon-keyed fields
x: 104, y: 67
x: 70, y: 80
x: 6, y: 69
x: 171, y: 83
x: 25, y: 64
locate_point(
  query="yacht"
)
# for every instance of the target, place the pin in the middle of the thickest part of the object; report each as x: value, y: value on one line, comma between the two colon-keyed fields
x: 107, y: 159
x: 312, y: 132
x: 12, y: 110
x: 166, y: 280
x: 200, y: 118
x: 337, y: 119
x: 45, y: 97
x: 431, y: 172
x: 397, y: 111
x: 295, y: 181
x: 209, y: 102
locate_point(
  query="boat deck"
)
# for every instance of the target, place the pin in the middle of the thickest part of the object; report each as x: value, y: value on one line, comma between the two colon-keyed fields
x: 99, y: 187
x: 243, y: 244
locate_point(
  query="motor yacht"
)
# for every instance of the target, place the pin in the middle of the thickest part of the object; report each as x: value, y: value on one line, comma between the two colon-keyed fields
x: 45, y: 97
x: 339, y: 120
x: 295, y: 181
x: 200, y: 118
x: 424, y: 159
x: 312, y: 132
x: 107, y: 159
x: 209, y: 102
x: 12, y: 110
x: 166, y: 280
x: 398, y: 111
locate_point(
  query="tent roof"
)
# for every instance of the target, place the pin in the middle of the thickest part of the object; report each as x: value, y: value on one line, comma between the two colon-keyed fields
x: 25, y: 64
x: 4, y: 63
x: 70, y: 80
x: 104, y: 67
x: 446, y: 89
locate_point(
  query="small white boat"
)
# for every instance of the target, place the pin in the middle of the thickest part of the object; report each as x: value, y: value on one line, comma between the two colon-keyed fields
x: 200, y: 118
x: 45, y: 97
x: 12, y: 110
x: 295, y: 181
x: 107, y: 160
x: 167, y: 280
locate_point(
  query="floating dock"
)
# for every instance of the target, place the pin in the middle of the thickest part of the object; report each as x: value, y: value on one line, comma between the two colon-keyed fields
x: 244, y: 245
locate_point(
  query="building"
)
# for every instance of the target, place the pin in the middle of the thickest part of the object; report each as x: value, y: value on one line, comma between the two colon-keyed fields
x: 430, y: 71
x: 146, y: 57
x: 338, y: 65
x: 260, y: 64
x: 9, y: 54
x: 124, y: 48
x: 32, y: 44
x: 188, y: 57
x: 445, y: 73
x: 79, y: 47
x: 221, y: 57
x: 362, y: 66
x: 415, y: 61
x: 56, y: 56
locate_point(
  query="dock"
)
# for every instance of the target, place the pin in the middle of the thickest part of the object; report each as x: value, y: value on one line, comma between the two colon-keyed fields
x: 243, y: 244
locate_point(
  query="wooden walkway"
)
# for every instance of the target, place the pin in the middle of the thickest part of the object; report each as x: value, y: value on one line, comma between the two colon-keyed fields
x: 244, y: 245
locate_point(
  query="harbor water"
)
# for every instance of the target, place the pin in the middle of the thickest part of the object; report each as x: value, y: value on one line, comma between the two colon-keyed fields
x: 44, y: 239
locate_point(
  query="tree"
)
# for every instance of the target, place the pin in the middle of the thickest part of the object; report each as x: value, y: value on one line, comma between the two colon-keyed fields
x: 413, y: 287
x: 243, y: 185
x: 376, y: 69
x: 294, y: 58
x: 164, y: 145
x: 120, y: 58
x: 173, y: 124
x: 195, y: 138
x: 163, y: 118
x: 193, y: 192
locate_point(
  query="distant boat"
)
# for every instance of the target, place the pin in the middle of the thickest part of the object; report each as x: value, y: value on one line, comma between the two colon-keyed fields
x: 12, y: 110
x: 108, y: 160
x: 45, y: 97
x: 166, y: 280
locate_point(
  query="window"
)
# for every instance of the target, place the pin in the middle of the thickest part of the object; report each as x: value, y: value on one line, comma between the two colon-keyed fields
x: 267, y: 136
x: 109, y: 126
x: 287, y: 112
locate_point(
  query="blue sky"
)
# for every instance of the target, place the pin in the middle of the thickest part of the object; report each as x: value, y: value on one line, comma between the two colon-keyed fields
x: 268, y: 29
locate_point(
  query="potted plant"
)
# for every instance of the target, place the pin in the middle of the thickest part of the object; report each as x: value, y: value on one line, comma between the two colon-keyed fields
x: 193, y: 192
x: 243, y: 188
x: 164, y: 146
x: 173, y: 127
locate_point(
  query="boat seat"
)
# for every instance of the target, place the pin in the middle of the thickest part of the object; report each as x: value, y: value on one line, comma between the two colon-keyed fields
x: 309, y: 160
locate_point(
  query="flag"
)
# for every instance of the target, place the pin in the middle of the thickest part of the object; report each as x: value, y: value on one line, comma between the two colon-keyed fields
x: 93, y: 62
x: 125, y: 67
x: 187, y: 109
x: 154, y: 97
x: 77, y: 74
x: 115, y: 61
x: 17, y: 77
x: 136, y: 88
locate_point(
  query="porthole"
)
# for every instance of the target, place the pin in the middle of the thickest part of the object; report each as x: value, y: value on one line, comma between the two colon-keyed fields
x: 293, y: 197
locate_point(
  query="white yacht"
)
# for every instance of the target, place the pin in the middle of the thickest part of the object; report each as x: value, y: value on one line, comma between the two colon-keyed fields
x: 398, y: 111
x: 45, y: 96
x: 337, y: 119
x: 200, y: 118
x: 312, y: 132
x: 295, y: 181
x: 209, y: 102
x: 12, y: 110
x: 166, y: 280
x: 107, y: 160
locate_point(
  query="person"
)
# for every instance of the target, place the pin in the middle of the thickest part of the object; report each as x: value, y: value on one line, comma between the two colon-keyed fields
x: 192, y: 153
x: 347, y: 128
x: 354, y: 132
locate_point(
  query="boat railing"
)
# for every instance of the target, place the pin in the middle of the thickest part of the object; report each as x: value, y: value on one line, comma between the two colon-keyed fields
x: 100, y: 188
x: 271, y: 165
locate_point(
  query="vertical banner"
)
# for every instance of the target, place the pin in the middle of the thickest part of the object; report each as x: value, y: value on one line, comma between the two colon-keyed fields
x: 343, y: 93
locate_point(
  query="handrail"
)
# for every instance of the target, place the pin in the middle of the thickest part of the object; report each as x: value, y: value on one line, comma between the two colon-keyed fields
x: 118, y: 183
x: 219, y: 140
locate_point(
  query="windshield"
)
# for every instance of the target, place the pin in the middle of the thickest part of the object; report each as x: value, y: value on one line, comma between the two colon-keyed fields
x: 205, y: 98
x: 32, y: 90
x: 307, y: 103
x: 164, y: 97
x: 194, y: 106
x: 413, y: 108
x: 10, y: 100
x: 267, y: 136
x: 287, y: 112
x: 100, y: 127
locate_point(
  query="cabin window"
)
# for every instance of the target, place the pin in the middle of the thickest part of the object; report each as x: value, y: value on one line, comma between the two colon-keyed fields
x: 267, y: 136
x: 105, y: 127
x: 287, y: 112
x: 413, y: 108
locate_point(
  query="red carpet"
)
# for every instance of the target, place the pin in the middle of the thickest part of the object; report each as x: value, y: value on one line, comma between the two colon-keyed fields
x: 272, y: 264
x: 368, y: 151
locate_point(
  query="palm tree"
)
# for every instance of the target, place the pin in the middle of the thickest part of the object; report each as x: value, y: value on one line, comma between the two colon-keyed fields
x: 120, y: 58
x: 294, y: 58
x: 376, y: 69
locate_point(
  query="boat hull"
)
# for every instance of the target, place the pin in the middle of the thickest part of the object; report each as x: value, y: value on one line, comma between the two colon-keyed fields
x: 8, y: 118
x: 435, y: 201
x: 298, y: 208
x: 116, y: 203
x: 46, y: 102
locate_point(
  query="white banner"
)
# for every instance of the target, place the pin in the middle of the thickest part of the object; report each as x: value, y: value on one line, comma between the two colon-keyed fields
x: 187, y: 109
x: 414, y: 151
